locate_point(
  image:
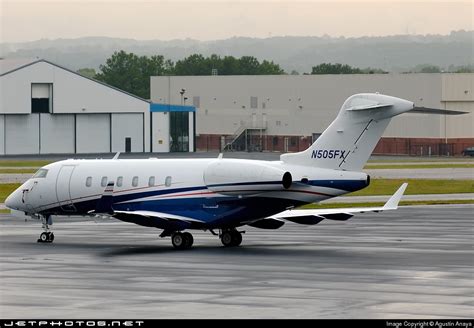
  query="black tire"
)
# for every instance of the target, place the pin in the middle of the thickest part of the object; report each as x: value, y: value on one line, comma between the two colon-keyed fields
x: 51, y: 237
x: 237, y: 238
x: 231, y: 238
x: 189, y: 239
x: 178, y: 240
x: 227, y: 238
x: 44, y: 237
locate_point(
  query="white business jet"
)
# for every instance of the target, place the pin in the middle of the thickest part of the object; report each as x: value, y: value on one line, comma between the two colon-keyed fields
x: 177, y: 195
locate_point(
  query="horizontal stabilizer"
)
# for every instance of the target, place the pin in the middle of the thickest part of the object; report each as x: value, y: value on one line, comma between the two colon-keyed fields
x: 368, y: 106
x: 267, y: 224
x: 426, y: 110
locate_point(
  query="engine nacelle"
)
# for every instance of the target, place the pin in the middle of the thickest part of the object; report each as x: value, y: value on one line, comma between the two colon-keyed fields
x: 239, y: 177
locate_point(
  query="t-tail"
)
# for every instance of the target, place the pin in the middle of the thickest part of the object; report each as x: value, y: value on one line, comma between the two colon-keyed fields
x: 350, y: 139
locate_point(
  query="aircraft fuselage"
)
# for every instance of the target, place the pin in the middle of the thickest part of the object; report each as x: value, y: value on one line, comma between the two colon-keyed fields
x: 219, y: 192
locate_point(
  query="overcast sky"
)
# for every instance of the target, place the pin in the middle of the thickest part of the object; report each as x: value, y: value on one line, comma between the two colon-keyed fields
x: 218, y: 19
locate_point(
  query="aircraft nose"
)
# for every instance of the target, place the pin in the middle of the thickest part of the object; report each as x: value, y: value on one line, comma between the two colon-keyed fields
x: 13, y: 201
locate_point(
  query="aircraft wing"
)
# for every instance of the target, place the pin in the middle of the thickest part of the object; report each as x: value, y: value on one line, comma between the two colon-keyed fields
x: 314, y: 216
x: 157, y: 219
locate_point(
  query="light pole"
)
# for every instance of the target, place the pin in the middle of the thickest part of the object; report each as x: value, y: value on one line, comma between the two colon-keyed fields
x: 182, y: 95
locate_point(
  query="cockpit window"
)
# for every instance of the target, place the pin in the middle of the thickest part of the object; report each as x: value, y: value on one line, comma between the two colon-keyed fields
x: 41, y: 173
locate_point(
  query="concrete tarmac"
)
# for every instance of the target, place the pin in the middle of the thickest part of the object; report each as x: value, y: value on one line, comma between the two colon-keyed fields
x: 416, y: 262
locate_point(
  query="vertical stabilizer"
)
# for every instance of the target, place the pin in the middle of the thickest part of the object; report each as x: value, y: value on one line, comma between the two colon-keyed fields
x: 350, y: 139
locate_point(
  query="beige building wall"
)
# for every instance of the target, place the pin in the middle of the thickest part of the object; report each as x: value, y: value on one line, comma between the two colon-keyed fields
x: 458, y: 94
x: 305, y: 104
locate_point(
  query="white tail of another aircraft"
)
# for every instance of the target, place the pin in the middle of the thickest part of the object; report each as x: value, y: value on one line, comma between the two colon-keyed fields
x: 350, y: 139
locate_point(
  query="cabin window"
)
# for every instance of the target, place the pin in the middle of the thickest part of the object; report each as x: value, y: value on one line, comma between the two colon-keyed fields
x: 41, y: 173
x: 151, y: 181
x: 168, y: 181
x: 103, y: 182
x: 89, y: 181
x: 135, y: 181
x: 119, y: 181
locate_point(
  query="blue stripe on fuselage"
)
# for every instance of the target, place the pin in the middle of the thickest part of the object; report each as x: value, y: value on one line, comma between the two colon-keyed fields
x: 215, y: 211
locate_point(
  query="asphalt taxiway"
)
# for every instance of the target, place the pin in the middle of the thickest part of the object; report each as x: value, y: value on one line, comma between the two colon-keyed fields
x: 416, y: 262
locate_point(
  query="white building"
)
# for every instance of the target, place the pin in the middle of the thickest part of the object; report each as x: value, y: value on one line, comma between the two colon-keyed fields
x: 286, y: 112
x: 46, y: 109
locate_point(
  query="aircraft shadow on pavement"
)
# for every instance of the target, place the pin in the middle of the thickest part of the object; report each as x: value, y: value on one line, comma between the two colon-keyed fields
x: 293, y: 249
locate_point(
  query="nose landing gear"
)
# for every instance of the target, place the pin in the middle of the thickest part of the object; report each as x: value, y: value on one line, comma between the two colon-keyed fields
x: 47, y: 236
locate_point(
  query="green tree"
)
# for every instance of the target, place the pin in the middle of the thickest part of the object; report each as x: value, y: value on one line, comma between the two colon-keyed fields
x: 370, y: 70
x: 270, y: 68
x: 430, y: 69
x: 328, y: 68
x: 230, y: 66
x: 87, y: 72
x: 192, y: 65
x: 248, y: 65
x: 425, y: 68
x: 131, y: 73
x: 464, y: 69
x: 199, y: 65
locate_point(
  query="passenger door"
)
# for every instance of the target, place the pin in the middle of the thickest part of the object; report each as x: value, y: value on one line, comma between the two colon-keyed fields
x: 63, y: 188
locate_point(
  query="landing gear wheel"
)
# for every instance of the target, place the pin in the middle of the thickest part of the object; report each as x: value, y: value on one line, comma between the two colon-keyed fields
x: 178, y: 240
x: 43, y: 238
x: 237, y: 238
x: 46, y: 237
x: 231, y: 238
x: 182, y: 240
x: 189, y: 239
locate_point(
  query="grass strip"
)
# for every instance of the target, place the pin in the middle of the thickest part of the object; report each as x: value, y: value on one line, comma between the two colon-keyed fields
x: 419, y: 166
x: 421, y: 159
x: 416, y: 187
x: 375, y: 204
x: 13, y: 163
x: 17, y: 171
x: 6, y: 189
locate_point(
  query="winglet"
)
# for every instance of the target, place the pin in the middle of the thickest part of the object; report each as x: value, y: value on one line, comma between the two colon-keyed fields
x: 392, y: 203
x: 116, y: 155
x: 220, y: 156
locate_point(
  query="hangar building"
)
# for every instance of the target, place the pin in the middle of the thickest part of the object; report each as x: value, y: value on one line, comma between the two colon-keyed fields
x: 47, y: 109
x: 287, y: 112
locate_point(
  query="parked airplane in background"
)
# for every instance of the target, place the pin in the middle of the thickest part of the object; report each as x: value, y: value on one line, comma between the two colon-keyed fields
x: 221, y: 194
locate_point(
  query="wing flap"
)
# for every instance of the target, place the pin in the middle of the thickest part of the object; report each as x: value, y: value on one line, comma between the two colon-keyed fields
x: 267, y: 224
x: 305, y: 219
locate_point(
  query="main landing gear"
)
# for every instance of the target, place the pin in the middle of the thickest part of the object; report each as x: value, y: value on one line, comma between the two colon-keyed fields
x: 231, y: 237
x: 182, y: 240
x: 47, y: 236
